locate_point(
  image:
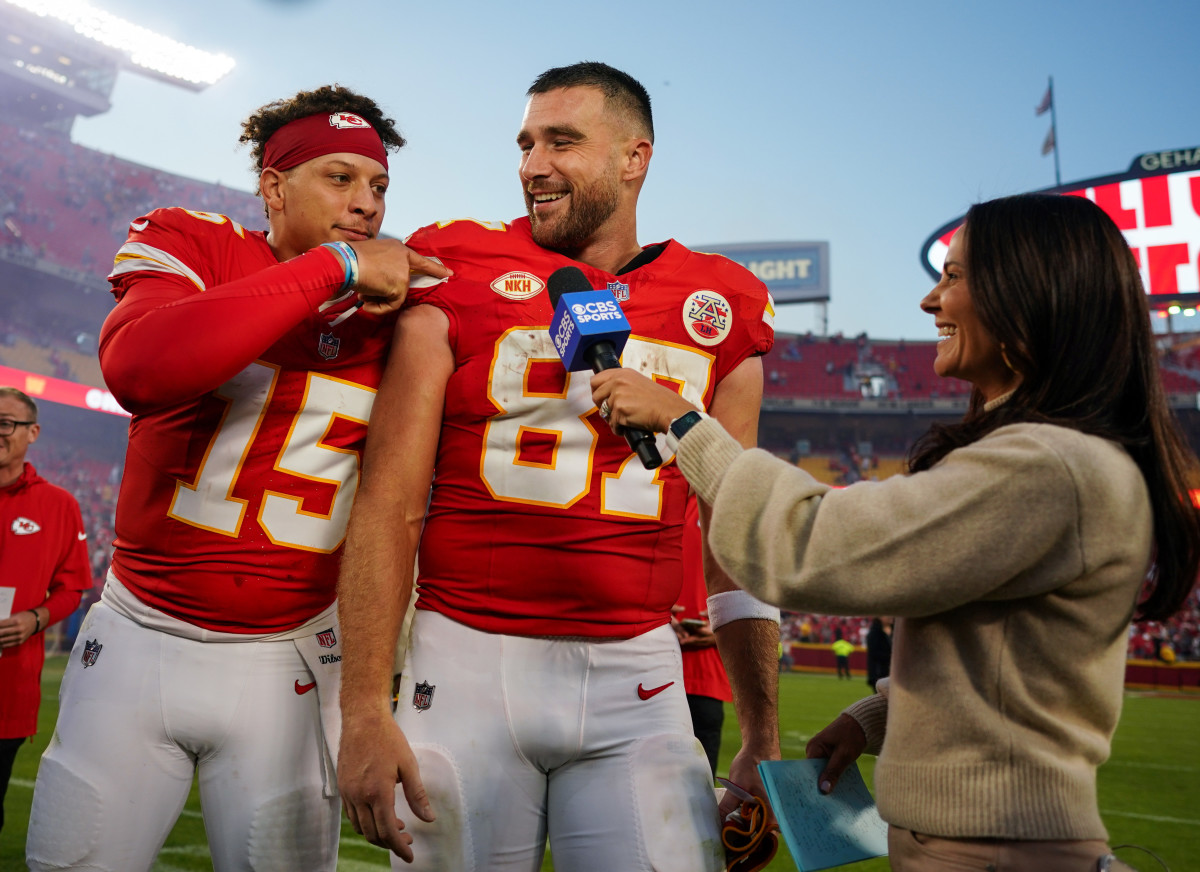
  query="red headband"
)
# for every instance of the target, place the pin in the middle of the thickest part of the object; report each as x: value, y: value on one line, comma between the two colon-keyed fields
x: 315, y: 135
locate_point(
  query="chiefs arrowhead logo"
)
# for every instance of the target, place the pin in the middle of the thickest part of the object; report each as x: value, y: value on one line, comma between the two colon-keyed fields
x: 347, y: 121
x: 24, y: 526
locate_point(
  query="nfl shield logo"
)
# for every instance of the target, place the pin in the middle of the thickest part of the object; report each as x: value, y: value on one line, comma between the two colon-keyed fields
x: 620, y: 290
x: 91, y: 650
x: 328, y: 346
x: 423, y: 695
x: 326, y: 638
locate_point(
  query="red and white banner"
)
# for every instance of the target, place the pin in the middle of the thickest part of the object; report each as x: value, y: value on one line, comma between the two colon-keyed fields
x: 57, y: 390
x: 1155, y: 203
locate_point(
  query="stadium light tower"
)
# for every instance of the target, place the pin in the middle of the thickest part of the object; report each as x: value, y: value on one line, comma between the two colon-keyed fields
x: 59, y: 59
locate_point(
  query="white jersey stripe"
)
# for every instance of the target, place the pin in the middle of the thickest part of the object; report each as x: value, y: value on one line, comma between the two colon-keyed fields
x: 768, y: 314
x: 139, y: 257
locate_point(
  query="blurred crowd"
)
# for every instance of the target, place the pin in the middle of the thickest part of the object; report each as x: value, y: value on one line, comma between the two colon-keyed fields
x: 94, y: 485
x: 72, y: 206
x: 1175, y: 641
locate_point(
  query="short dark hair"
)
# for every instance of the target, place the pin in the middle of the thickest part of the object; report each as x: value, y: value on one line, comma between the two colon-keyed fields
x: 622, y: 91
x: 8, y: 391
x: 1054, y: 282
x: 261, y: 126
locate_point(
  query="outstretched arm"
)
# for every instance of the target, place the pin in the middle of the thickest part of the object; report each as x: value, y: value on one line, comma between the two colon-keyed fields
x: 376, y: 578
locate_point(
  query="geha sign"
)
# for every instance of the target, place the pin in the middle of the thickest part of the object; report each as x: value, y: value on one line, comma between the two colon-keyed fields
x: 1156, y: 203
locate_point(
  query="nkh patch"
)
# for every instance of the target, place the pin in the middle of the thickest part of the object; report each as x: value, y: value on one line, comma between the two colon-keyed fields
x: 423, y: 695
x: 328, y: 346
x: 518, y: 285
x: 91, y: 651
x: 24, y: 526
x: 620, y: 290
x: 326, y: 638
x: 706, y: 317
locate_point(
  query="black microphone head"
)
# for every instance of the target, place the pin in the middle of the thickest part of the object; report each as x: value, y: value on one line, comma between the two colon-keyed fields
x: 566, y: 280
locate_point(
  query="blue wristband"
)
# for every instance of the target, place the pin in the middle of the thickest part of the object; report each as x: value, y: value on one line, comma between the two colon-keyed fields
x: 349, y: 258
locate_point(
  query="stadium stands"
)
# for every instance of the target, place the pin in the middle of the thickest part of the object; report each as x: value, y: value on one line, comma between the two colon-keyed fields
x: 836, y: 367
x: 69, y: 206
x: 72, y: 206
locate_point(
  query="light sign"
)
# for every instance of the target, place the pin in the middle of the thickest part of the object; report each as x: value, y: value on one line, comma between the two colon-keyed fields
x: 1155, y: 203
x: 794, y: 272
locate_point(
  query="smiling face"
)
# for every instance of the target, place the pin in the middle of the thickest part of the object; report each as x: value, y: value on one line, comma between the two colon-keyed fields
x: 966, y: 349
x: 335, y: 197
x: 14, y: 445
x: 572, y: 167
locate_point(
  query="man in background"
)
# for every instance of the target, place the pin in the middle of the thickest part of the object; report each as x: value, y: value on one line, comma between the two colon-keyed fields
x: 842, y: 649
x: 43, y: 573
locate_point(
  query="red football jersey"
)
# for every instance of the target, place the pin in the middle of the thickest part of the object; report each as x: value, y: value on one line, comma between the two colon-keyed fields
x: 43, y: 554
x: 234, y: 503
x: 703, y: 670
x: 542, y: 522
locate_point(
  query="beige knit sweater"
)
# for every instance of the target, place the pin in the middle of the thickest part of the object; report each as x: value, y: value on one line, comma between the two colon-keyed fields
x: 1013, y: 565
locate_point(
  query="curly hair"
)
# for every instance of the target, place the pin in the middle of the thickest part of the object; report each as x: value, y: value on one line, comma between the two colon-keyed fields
x: 263, y: 124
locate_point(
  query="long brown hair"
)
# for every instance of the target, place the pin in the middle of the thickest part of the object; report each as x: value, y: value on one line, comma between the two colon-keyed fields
x: 1053, y: 280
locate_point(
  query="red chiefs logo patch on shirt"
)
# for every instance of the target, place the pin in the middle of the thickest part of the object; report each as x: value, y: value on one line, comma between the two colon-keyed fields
x: 24, y: 526
x: 518, y: 285
x: 707, y: 317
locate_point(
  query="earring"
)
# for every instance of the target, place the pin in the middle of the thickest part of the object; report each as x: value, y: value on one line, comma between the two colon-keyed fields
x: 1004, y: 357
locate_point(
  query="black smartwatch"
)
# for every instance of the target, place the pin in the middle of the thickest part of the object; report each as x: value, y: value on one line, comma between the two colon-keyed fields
x: 680, y: 426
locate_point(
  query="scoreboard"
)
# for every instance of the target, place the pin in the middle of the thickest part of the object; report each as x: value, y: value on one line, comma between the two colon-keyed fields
x: 1155, y: 203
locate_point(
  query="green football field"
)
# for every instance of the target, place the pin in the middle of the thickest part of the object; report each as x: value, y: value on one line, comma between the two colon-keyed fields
x: 1149, y: 790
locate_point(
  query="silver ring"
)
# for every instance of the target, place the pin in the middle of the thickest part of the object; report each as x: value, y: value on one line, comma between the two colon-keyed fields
x: 604, y: 409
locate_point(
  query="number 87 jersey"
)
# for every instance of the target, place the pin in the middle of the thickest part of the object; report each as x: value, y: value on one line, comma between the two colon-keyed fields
x: 542, y: 522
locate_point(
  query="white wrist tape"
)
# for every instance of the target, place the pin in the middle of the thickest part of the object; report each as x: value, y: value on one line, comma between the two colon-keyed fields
x: 737, y: 605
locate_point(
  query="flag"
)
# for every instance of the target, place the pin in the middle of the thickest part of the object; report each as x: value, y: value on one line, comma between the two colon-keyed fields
x: 1046, y: 103
x: 1048, y: 145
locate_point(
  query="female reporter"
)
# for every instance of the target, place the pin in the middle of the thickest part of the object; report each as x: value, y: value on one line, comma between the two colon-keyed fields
x: 1013, y: 553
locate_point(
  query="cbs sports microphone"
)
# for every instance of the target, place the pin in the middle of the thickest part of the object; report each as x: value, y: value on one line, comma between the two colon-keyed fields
x: 589, y: 330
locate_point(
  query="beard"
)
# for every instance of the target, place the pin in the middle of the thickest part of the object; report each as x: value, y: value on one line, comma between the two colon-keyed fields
x: 590, y: 208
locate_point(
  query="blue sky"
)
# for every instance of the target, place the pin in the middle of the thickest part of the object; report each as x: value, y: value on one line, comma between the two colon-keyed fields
x: 866, y: 124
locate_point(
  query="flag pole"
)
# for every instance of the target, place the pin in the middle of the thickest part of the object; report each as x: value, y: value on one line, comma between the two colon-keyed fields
x: 1054, y: 135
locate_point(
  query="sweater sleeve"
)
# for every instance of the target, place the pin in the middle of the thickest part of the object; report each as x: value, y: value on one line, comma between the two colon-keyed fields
x: 997, y: 519
x: 871, y: 714
x: 165, y: 343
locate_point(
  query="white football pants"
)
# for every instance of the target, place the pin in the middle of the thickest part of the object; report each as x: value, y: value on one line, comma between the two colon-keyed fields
x: 150, y: 710
x: 589, y: 743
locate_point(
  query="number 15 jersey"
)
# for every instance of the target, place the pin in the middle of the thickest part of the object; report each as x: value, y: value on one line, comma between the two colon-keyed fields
x: 237, y: 488
x: 541, y: 521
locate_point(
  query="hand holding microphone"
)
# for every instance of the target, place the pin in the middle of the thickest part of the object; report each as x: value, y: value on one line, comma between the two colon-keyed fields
x: 589, y: 330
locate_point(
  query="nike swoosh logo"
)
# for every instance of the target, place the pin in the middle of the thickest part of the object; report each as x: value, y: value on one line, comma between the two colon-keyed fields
x: 304, y: 688
x: 646, y: 694
x: 82, y: 536
x: 139, y: 225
